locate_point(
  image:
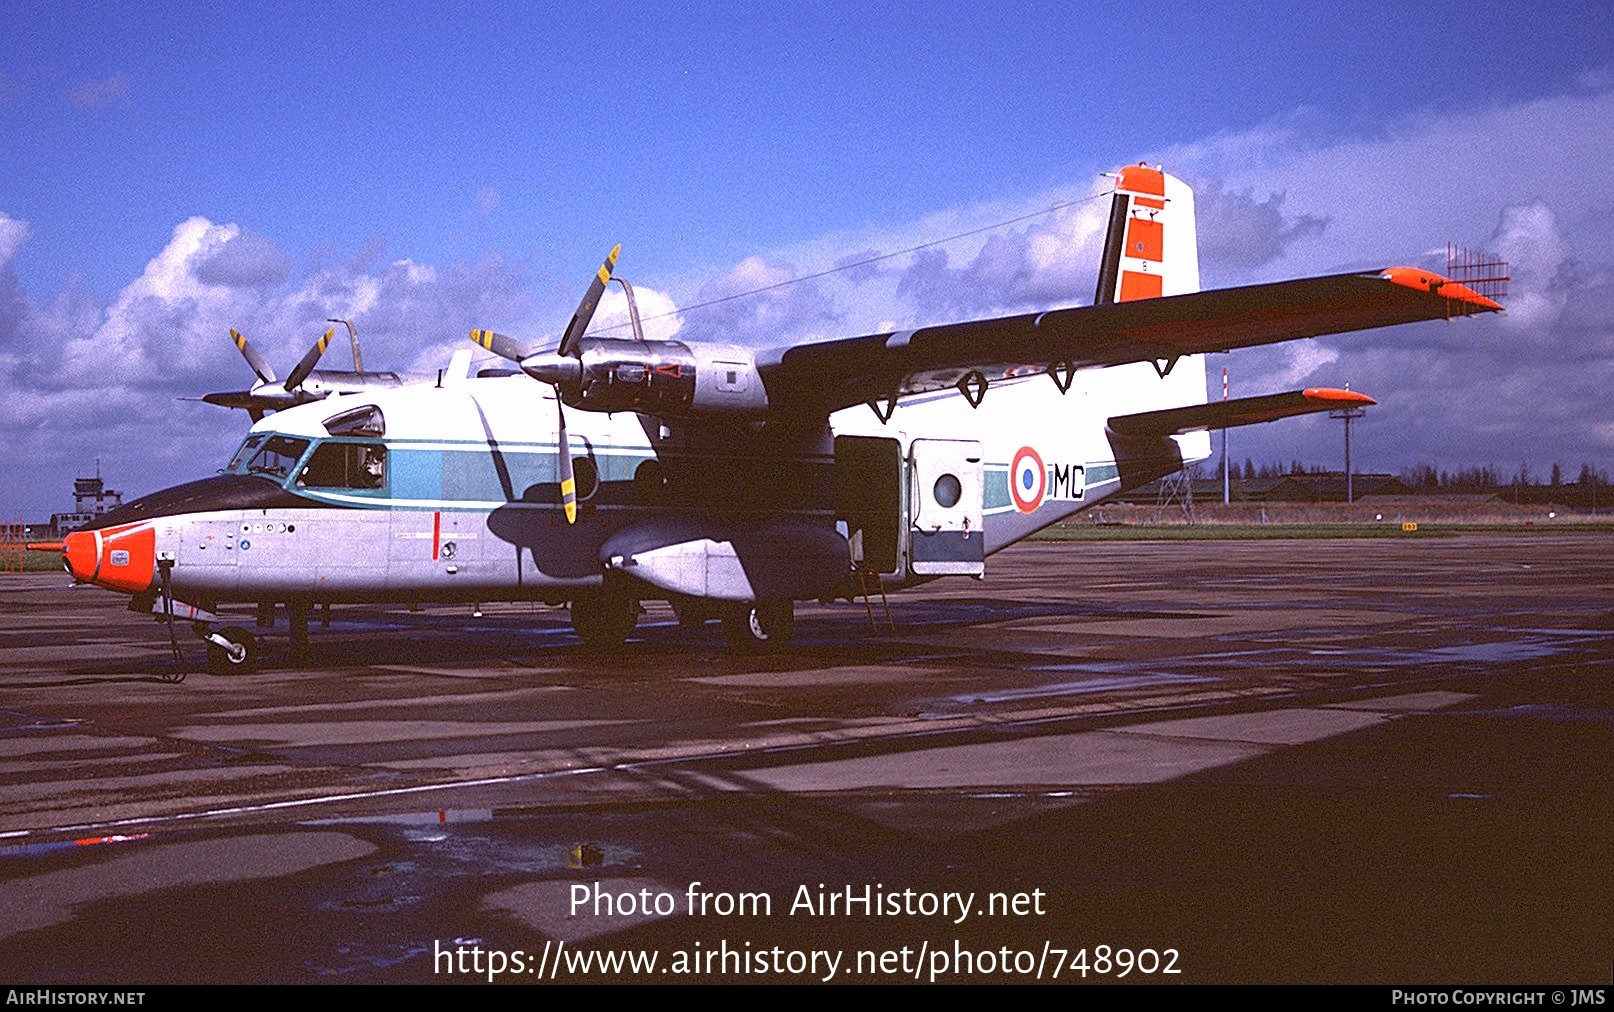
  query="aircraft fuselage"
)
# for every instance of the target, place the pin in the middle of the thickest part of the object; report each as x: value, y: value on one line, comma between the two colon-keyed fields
x: 445, y: 494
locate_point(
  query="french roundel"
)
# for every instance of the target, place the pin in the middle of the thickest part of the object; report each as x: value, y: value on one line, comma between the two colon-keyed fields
x: 1028, y: 480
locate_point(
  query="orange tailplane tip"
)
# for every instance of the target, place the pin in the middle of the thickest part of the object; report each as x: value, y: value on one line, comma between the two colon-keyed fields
x: 1343, y: 398
x: 1429, y: 281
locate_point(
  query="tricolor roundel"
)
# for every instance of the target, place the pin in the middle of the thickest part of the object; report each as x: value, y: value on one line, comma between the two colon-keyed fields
x: 1028, y: 480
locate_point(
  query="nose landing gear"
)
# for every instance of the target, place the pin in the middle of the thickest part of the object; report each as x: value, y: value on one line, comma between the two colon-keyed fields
x: 230, y: 651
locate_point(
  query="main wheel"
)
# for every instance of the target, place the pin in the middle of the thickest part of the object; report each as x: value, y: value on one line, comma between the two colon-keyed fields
x: 759, y: 627
x: 603, y: 618
x: 237, y: 661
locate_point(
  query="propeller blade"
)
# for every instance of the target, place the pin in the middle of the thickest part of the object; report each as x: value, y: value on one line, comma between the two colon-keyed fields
x: 504, y: 347
x: 568, y: 482
x: 254, y: 359
x: 591, y: 300
x: 310, y: 360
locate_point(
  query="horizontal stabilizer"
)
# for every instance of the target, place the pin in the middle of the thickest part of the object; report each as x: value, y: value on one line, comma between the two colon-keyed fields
x: 1231, y: 414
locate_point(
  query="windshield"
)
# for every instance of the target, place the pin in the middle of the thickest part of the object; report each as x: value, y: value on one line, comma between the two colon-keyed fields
x: 267, y: 453
x: 237, y: 464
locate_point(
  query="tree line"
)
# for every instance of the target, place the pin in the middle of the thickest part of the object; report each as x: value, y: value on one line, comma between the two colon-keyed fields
x: 1422, y: 476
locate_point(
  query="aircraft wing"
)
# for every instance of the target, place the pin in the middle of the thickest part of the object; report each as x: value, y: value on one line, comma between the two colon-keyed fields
x: 808, y: 381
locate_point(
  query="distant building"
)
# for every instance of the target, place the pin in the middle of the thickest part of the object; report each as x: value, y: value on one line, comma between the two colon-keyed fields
x: 21, y: 530
x: 91, y: 499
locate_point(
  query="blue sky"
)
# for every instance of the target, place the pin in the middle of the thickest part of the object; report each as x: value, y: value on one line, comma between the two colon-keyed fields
x: 423, y: 169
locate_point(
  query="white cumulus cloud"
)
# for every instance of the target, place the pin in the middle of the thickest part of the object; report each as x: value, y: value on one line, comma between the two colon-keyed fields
x: 13, y: 234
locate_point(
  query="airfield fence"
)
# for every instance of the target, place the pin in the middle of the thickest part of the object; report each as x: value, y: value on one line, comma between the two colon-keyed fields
x: 13, y: 551
x: 14, y: 554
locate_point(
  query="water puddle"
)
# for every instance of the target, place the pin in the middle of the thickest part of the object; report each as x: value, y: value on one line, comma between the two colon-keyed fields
x: 1050, y: 691
x: 28, y: 850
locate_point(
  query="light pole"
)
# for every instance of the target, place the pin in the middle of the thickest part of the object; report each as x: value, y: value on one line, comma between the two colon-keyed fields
x: 1227, y: 493
x: 1347, y: 414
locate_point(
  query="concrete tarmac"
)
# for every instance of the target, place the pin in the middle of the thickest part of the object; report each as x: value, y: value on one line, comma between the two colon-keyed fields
x: 1382, y: 761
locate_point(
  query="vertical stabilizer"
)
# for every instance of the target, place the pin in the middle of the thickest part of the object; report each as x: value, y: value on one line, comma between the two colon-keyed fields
x: 1150, y: 249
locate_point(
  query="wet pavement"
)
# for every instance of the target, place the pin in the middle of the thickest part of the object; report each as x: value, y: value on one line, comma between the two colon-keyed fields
x: 1367, y: 761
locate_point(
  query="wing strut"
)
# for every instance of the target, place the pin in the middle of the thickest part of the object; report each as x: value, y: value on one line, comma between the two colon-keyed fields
x: 1063, y: 374
x: 973, y: 386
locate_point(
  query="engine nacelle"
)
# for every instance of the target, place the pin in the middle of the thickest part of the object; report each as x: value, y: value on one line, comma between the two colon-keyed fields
x: 670, y: 378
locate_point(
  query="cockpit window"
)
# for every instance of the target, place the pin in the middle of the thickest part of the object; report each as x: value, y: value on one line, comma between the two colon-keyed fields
x: 266, y: 453
x: 237, y: 464
x: 345, y: 465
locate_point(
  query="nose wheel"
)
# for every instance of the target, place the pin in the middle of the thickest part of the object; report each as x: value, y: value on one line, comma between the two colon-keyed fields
x: 230, y: 651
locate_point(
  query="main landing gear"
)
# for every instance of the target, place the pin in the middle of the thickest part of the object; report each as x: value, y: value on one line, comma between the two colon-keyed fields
x: 604, y: 618
x: 759, y: 627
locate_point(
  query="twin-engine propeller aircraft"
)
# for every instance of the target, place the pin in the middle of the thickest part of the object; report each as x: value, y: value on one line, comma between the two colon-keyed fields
x: 733, y: 481
x: 304, y: 383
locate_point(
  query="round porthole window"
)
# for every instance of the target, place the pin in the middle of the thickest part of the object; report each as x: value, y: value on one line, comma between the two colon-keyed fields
x: 948, y: 491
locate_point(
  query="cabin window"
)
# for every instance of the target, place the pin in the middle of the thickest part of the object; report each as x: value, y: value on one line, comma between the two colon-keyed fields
x: 345, y: 465
x: 586, y: 477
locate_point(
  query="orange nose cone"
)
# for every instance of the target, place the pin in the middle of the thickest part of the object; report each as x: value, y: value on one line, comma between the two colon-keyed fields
x: 128, y: 558
x: 119, y: 558
x: 81, y: 555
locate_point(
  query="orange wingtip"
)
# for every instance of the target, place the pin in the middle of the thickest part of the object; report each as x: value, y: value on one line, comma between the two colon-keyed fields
x: 1429, y: 281
x: 1341, y: 398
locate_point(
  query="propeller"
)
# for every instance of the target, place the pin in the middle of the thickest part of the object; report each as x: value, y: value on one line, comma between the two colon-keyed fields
x: 568, y: 481
x: 267, y: 373
x: 564, y: 365
x: 308, y: 362
x: 500, y: 345
x: 254, y: 359
x: 269, y: 394
x: 591, y: 299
